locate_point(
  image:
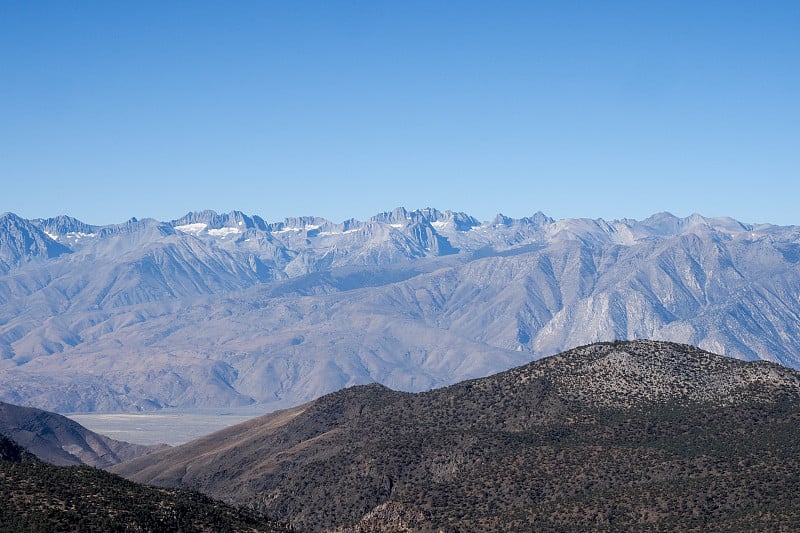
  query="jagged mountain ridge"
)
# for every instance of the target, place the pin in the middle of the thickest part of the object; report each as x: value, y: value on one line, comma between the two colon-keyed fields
x: 23, y: 242
x: 624, y: 435
x: 230, y: 310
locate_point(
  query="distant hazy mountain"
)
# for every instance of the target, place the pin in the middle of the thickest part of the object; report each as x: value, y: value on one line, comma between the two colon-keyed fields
x: 214, y: 310
x: 60, y: 441
x: 617, y: 436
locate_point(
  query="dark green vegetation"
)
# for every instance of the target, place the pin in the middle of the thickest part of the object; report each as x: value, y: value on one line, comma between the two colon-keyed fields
x: 39, y: 497
x: 615, y: 436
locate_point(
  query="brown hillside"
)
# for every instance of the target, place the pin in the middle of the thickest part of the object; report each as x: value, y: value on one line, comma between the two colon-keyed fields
x: 616, y: 436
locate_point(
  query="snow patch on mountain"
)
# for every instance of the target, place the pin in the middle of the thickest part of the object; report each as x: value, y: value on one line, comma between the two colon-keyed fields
x: 195, y: 228
x: 224, y: 232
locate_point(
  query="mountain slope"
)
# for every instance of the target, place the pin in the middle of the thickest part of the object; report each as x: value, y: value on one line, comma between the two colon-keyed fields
x: 609, y: 436
x: 11, y: 452
x: 60, y: 441
x: 36, y: 496
x: 213, y: 310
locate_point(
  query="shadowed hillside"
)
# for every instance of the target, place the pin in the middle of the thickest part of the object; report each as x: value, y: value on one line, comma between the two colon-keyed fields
x: 58, y: 440
x: 39, y: 497
x: 610, y: 436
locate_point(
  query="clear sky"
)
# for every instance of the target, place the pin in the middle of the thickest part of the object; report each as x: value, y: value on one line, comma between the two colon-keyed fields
x: 110, y: 110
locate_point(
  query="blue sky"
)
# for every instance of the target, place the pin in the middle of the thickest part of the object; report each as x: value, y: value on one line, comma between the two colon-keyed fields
x: 110, y: 110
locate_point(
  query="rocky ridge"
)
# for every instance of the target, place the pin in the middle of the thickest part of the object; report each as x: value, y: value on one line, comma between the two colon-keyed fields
x: 647, y: 372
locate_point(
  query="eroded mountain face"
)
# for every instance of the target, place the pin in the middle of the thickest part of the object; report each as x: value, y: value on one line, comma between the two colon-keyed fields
x: 216, y: 310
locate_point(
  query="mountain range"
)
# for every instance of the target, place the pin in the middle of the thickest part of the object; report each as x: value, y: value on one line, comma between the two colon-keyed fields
x: 618, y: 436
x: 228, y: 310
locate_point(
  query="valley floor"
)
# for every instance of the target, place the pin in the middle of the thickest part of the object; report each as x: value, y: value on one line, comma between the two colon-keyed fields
x: 171, y: 427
